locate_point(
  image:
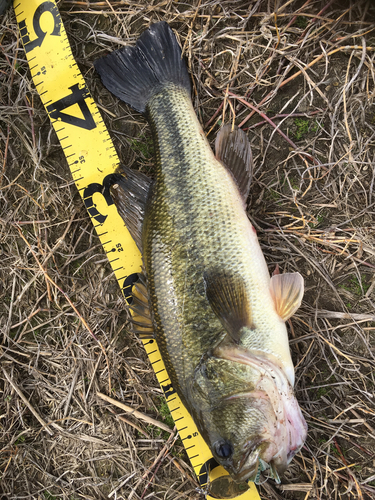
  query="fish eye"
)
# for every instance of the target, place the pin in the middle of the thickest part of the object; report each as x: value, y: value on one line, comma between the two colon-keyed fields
x: 224, y: 449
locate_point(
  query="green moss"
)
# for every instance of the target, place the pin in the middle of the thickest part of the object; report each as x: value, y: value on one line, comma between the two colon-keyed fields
x: 143, y: 146
x: 302, y: 128
x: 318, y: 220
x: 294, y: 183
x: 355, y: 287
x: 48, y: 496
x: 288, y: 182
x: 314, y: 127
x: 179, y: 453
x: 336, y: 452
x: 273, y: 195
x: 163, y: 409
x: 322, y: 391
x: 165, y: 413
x: 20, y: 440
x: 301, y: 22
x: 331, y: 447
x: 76, y: 264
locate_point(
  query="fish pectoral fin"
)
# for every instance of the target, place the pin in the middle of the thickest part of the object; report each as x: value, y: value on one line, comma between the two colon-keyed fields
x: 227, y: 296
x: 287, y: 292
x: 129, y: 190
x: 233, y: 149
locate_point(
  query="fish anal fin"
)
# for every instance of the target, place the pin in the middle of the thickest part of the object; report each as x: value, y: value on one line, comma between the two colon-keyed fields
x: 141, y: 318
x: 287, y: 292
x: 140, y: 292
x: 233, y: 149
x: 227, y: 296
x: 130, y: 191
x: 145, y: 336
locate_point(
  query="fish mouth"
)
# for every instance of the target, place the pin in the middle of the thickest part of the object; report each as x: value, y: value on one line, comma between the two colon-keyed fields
x: 248, y: 468
x: 248, y: 474
x: 253, y: 470
x: 253, y: 464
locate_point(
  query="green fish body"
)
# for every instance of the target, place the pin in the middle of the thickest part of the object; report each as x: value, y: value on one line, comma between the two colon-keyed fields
x: 217, y: 316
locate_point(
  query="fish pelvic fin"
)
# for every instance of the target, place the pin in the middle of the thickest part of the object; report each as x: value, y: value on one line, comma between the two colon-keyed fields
x: 287, y: 292
x: 227, y: 296
x: 135, y: 74
x: 232, y: 148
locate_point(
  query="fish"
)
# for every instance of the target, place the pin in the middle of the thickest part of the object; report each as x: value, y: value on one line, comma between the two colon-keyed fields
x: 205, y: 293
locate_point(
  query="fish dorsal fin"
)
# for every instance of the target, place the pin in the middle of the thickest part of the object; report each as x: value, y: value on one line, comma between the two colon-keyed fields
x: 141, y: 316
x: 287, y: 292
x: 227, y: 296
x: 129, y: 191
x: 233, y: 149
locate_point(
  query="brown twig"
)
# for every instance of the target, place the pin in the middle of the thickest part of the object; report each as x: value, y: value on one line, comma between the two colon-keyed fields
x: 135, y: 413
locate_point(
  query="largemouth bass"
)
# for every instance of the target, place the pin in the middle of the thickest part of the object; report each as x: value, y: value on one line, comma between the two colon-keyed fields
x: 206, y: 295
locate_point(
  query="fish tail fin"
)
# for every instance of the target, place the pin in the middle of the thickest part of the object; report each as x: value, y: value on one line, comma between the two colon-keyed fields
x: 135, y: 74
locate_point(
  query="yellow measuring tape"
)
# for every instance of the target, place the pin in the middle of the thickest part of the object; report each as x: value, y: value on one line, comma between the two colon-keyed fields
x: 92, y: 159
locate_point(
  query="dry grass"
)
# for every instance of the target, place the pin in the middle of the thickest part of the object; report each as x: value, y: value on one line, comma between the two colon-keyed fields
x: 299, y: 76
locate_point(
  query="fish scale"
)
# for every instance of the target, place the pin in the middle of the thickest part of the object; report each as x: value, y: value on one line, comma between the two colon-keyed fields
x: 171, y: 214
x: 184, y: 232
